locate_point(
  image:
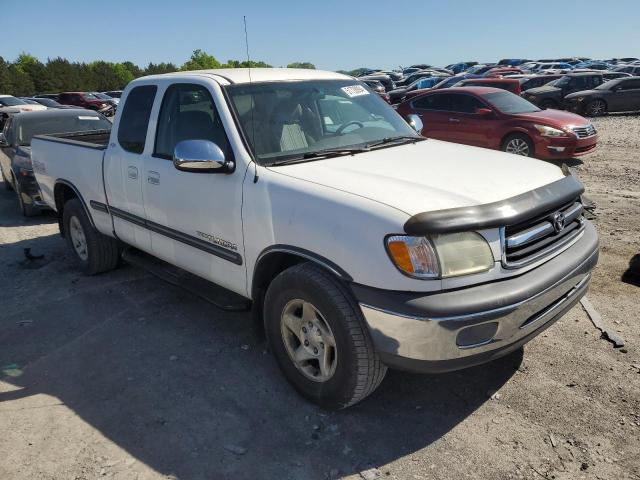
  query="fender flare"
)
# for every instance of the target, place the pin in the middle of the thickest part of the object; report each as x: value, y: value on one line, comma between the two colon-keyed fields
x: 67, y: 183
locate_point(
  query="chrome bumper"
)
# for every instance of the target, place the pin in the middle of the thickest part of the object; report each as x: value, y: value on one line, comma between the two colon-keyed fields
x: 413, y: 341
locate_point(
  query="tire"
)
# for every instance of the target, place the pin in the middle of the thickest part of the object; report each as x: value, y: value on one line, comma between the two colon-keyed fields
x: 595, y: 108
x: 355, y: 369
x: 518, y: 144
x: 26, y: 210
x: 97, y: 253
x: 548, y: 104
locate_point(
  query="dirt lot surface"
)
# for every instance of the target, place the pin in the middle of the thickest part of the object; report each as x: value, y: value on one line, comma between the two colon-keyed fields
x: 123, y: 376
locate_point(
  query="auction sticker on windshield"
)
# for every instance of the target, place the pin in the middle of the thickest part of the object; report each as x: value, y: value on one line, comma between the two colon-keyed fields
x: 355, y: 90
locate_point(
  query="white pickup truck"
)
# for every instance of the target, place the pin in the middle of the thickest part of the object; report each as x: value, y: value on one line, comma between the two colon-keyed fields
x: 304, y: 196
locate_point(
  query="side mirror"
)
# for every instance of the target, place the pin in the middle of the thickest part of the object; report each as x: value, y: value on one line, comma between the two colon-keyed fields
x: 484, y: 112
x: 200, y: 156
x: 415, y: 122
x: 3, y: 140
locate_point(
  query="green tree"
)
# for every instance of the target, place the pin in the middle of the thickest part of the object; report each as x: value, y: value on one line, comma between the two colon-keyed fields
x: 6, y: 87
x: 34, y: 68
x: 158, y: 68
x: 308, y: 65
x: 21, y: 81
x: 200, y: 61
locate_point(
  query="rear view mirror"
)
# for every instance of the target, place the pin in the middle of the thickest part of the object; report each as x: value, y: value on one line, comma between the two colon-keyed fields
x: 415, y: 122
x: 484, y: 112
x: 201, y: 156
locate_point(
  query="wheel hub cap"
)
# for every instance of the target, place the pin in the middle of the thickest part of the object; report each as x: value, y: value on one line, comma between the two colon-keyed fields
x: 518, y: 146
x: 78, y: 238
x: 308, y: 340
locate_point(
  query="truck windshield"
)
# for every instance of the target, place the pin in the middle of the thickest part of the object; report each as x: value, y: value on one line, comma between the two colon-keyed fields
x: 29, y: 125
x: 11, y: 101
x: 285, y: 120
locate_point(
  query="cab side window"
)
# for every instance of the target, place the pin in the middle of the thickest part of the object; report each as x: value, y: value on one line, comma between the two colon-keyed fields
x: 188, y: 113
x: 434, y: 102
x: 134, y: 121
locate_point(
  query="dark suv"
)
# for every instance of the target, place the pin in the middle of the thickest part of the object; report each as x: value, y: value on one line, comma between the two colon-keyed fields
x: 552, y: 95
x: 83, y: 99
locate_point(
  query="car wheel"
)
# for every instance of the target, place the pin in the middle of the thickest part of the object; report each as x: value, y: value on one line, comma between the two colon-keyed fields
x: 545, y: 104
x: 595, y: 108
x: 26, y: 209
x: 319, y: 338
x: 518, y: 144
x: 94, y: 252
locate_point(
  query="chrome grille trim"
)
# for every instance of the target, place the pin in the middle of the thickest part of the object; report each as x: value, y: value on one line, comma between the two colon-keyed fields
x: 538, y: 239
x: 584, y: 132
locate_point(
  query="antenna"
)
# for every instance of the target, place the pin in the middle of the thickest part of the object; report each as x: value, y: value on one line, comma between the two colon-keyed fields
x: 253, y: 105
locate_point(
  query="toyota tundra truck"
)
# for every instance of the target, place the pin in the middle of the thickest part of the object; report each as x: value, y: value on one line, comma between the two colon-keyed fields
x: 358, y: 244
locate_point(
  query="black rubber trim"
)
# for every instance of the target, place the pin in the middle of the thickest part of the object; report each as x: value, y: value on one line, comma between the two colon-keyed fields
x: 579, y: 258
x: 181, y: 237
x: 77, y: 192
x: 101, y: 207
x: 62, y: 138
x: 308, y: 255
x: 497, y: 214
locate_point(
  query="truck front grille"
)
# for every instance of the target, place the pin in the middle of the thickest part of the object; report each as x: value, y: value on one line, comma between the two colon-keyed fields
x: 584, y: 132
x: 542, y: 236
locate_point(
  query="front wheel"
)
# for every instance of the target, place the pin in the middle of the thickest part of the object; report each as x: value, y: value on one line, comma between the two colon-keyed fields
x: 518, y: 144
x: 319, y: 338
x: 93, y: 251
x: 595, y: 108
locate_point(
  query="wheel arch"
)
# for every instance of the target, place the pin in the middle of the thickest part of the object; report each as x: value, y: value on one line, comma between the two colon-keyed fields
x: 63, y: 191
x: 515, y: 131
x: 277, y: 258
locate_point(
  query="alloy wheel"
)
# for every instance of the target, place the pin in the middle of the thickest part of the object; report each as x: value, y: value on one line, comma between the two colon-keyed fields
x: 596, y: 108
x: 517, y: 146
x: 78, y: 238
x: 308, y: 340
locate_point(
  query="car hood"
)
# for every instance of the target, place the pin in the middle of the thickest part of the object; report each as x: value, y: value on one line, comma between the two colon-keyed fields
x: 29, y: 108
x: 427, y: 176
x: 584, y: 93
x: 542, y: 90
x: 554, y: 118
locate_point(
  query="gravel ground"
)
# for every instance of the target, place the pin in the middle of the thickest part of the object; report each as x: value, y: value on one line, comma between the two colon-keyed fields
x: 123, y: 376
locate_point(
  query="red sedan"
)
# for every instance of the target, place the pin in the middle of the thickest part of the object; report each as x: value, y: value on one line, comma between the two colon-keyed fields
x: 497, y: 119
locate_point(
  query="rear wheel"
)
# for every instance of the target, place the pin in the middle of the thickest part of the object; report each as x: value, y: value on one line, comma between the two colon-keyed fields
x: 319, y: 338
x: 93, y: 251
x: 595, y: 108
x: 518, y: 144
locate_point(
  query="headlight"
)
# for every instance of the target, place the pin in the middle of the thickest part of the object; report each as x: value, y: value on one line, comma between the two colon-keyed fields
x: 440, y: 256
x: 546, y: 131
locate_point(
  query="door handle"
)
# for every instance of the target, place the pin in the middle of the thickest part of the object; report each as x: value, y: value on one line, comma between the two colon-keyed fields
x: 153, y: 177
x: 454, y: 120
x: 132, y: 172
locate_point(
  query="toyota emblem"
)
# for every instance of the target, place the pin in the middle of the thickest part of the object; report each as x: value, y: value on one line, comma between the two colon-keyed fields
x: 558, y: 221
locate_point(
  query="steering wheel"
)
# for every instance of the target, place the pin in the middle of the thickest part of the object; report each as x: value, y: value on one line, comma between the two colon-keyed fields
x: 348, y: 124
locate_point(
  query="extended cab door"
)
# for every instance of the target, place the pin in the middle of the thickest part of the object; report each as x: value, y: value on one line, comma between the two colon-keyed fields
x: 124, y: 167
x: 195, y: 217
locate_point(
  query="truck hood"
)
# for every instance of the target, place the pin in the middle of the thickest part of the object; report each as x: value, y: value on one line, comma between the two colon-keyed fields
x: 429, y: 175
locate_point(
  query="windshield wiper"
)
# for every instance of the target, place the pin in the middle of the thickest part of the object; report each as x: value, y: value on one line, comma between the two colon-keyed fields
x: 326, y: 153
x: 398, y: 139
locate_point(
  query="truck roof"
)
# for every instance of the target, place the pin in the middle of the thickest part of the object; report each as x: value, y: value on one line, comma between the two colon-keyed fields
x: 241, y: 75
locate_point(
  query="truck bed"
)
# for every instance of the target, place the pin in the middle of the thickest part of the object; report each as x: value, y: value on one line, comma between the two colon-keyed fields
x: 98, y: 139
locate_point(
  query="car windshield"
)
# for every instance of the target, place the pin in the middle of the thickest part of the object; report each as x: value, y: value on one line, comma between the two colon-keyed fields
x: 508, y: 102
x: 90, y: 96
x: 301, y: 119
x: 561, y: 82
x: 47, y: 102
x: 29, y: 125
x: 102, y: 96
x: 11, y: 101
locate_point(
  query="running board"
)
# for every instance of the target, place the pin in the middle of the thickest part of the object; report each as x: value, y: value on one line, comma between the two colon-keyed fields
x: 212, y: 293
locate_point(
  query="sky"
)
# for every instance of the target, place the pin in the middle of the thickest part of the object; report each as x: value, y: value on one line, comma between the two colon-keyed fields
x: 331, y: 34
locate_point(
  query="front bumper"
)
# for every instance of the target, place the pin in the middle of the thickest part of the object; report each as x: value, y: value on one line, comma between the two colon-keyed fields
x: 457, y: 329
x: 550, y: 148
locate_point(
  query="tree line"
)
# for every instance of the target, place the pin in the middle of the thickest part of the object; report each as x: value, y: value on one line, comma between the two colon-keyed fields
x: 28, y: 76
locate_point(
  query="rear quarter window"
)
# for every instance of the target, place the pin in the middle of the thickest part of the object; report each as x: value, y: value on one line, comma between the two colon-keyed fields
x: 132, y: 131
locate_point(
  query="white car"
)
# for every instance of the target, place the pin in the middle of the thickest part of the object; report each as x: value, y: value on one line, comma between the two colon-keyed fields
x: 301, y: 194
x: 10, y: 103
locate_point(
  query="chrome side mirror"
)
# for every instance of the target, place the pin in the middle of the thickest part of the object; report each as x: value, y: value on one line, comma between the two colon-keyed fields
x: 415, y: 122
x: 201, y: 156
